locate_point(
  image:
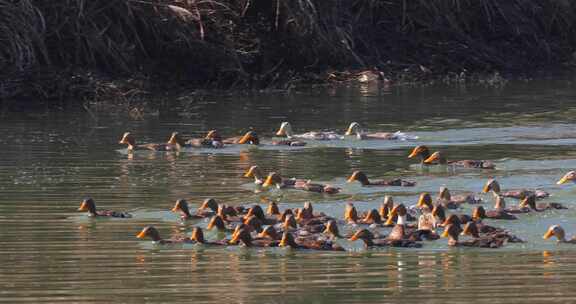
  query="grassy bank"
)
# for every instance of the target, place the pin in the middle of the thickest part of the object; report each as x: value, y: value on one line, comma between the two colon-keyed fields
x: 100, y: 48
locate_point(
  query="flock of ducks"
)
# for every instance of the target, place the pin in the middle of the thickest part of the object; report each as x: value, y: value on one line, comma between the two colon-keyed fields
x: 303, y: 228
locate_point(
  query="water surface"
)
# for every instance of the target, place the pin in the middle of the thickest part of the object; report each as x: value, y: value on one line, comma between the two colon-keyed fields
x: 49, y: 161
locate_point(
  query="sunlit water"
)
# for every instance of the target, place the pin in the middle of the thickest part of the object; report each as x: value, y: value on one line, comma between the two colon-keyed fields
x: 50, y: 161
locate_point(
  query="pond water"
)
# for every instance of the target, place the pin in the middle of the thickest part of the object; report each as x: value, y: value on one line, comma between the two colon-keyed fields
x: 50, y: 161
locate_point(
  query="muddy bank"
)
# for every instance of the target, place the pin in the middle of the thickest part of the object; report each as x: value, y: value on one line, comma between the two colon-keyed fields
x: 126, y: 49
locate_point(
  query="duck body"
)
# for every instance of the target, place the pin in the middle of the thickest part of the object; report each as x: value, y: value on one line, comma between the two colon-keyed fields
x: 356, y: 130
x: 89, y: 206
x: 437, y: 158
x: 152, y: 233
x: 493, y: 186
x: 363, y: 179
x: 286, y: 130
x: 129, y: 140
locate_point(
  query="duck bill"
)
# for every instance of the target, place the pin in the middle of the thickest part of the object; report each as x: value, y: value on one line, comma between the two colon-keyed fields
x: 141, y: 235
x: 172, y: 140
x: 486, y: 188
x: 351, y: 179
x: 389, y: 221
x: 349, y: 131
x: 249, y: 173
x: 431, y: 159
x: 476, y: 214
x: 210, y: 225
x: 548, y: 234
x: 353, y: 238
x: 175, y: 209
x: 269, y: 182
x: 413, y: 154
x: 283, y: 242
x: 280, y: 132
x: 83, y: 207
x: 421, y: 203
x: 245, y: 139
x: 445, y: 234
x: 562, y: 181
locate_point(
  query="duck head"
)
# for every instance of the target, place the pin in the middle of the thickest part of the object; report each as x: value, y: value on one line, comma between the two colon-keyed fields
x: 243, y: 236
x: 273, y: 209
x: 399, y: 212
x: 181, y: 206
x: 209, y: 203
x: 491, y: 185
x: 150, y: 232
x: 256, y: 173
x: 386, y: 206
x: 254, y: 223
x: 89, y: 205
x: 269, y: 232
x: 425, y: 201
x: 128, y: 139
x: 439, y: 212
x: 332, y: 229
x: 197, y: 235
x: 421, y: 151
x: 529, y: 201
x: 499, y: 203
x: 452, y: 219
x: 557, y: 231
x: 568, y: 177
x: 213, y: 135
x: 290, y: 222
x: 273, y: 179
x: 478, y: 213
x: 285, y: 214
x: 176, y: 139
x: 287, y: 240
x: 435, y: 157
x: 249, y: 137
x: 373, y: 217
x: 285, y: 130
x: 218, y: 222
x: 350, y: 214
x: 363, y: 234
x: 358, y: 176
x: 452, y: 231
x: 353, y: 128
x: 256, y: 211
x: 307, y: 212
x: 444, y: 194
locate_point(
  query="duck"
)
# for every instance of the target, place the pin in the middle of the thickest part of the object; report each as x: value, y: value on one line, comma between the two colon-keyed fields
x: 445, y: 197
x: 152, y: 233
x: 493, y: 185
x: 243, y: 236
x: 568, y: 177
x: 452, y: 232
x: 363, y: 179
x: 256, y: 173
x: 89, y: 205
x: 178, y: 143
x: 474, y: 228
x: 372, y: 218
x: 129, y: 140
x: 332, y: 230
x: 269, y: 233
x: 530, y: 202
x: 273, y: 210
x: 439, y: 213
x: 351, y: 214
x: 313, y: 244
x: 209, y: 207
x: 386, y: 206
x: 249, y: 138
x: 181, y: 206
x: 298, y: 184
x: 439, y: 158
x: 198, y: 238
x: 355, y: 129
x: 286, y: 130
x: 559, y: 233
x: 395, y: 239
x: 480, y: 213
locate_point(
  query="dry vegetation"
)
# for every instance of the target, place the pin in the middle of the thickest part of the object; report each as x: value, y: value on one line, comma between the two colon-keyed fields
x: 68, y: 48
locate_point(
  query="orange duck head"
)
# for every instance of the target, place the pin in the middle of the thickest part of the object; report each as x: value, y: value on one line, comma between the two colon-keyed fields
x: 209, y: 203
x: 273, y: 179
x: 425, y: 201
x: 176, y: 139
x: 332, y: 229
x: 358, y: 176
x: 254, y: 223
x: 479, y: 213
x: 269, y: 232
x: 471, y: 229
x: 181, y: 206
x: 285, y: 214
x: 452, y: 219
x: 421, y: 151
x: 568, y: 177
x: 436, y: 157
x: 491, y: 185
x: 273, y: 209
x: 197, y: 235
x: 150, y: 232
x: 218, y: 222
x: 243, y: 236
x: 89, y: 205
x: 372, y: 217
x: 249, y: 137
x: 290, y: 222
x: 386, y: 206
x: 557, y: 231
x: 128, y: 139
x: 399, y: 212
x: 350, y: 214
x: 256, y: 211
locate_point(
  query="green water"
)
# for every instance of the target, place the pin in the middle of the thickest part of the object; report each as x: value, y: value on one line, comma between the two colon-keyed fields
x: 49, y: 161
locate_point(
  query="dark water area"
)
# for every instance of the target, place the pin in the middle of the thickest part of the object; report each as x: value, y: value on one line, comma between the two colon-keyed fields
x: 50, y: 161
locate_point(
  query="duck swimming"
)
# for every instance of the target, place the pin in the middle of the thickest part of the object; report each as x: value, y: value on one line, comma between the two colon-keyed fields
x: 363, y: 179
x: 299, y: 184
x: 395, y: 239
x: 198, y: 238
x: 179, y: 144
x: 152, y: 233
x: 249, y: 138
x: 243, y: 236
x: 530, y: 202
x: 494, y: 186
x: 289, y: 241
x: 558, y: 232
x: 438, y: 158
x: 129, y: 140
x: 89, y: 205
x: 446, y: 198
x: 286, y: 130
x: 487, y: 241
x: 181, y: 206
x: 355, y: 129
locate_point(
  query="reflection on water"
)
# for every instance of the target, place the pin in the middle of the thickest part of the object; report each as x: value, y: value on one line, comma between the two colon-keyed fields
x: 49, y: 162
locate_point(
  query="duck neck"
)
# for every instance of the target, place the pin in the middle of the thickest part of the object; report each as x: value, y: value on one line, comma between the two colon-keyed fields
x: 368, y: 242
